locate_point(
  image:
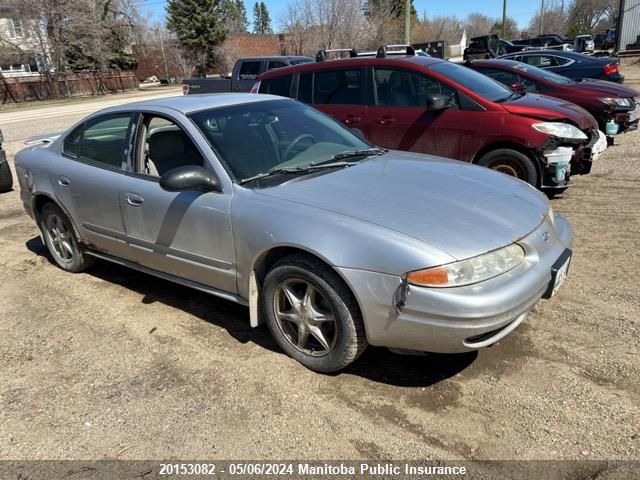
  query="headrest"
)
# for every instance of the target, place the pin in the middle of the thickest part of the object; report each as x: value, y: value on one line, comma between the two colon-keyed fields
x: 166, y: 143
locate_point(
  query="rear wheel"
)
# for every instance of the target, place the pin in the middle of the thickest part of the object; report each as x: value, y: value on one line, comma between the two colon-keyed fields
x: 6, y: 179
x: 312, y: 314
x: 61, y: 240
x: 512, y: 163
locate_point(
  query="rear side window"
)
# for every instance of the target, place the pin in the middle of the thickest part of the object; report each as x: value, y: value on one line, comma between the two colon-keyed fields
x: 273, y: 65
x: 542, y: 61
x: 340, y: 87
x: 71, y: 145
x: 249, y: 70
x: 305, y: 88
x: 105, y: 140
x: 277, y: 86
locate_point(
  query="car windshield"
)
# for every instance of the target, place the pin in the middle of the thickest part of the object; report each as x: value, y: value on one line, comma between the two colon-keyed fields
x: 544, y: 74
x: 277, y: 136
x: 479, y: 83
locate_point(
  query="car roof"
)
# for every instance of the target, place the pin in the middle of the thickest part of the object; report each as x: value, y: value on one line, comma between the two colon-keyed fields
x: 277, y: 57
x: 191, y: 103
x: 354, y: 62
x: 499, y: 61
x: 557, y: 53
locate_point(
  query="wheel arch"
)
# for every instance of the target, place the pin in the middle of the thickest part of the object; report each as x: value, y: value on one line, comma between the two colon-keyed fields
x: 266, y: 260
x: 511, y: 146
x: 40, y: 199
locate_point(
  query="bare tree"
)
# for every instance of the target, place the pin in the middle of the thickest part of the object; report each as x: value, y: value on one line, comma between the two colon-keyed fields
x: 477, y: 24
x: 316, y: 24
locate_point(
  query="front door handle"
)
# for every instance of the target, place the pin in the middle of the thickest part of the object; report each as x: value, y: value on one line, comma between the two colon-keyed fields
x: 352, y: 120
x: 134, y: 199
x: 385, y: 120
x: 63, y: 181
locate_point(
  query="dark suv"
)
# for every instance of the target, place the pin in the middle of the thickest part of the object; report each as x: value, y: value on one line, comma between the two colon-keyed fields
x: 428, y: 105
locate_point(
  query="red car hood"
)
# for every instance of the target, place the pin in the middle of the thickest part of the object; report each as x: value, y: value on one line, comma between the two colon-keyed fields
x: 548, y: 108
x: 602, y: 86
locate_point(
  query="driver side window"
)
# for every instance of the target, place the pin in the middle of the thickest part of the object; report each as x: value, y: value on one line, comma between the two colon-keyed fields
x: 166, y: 146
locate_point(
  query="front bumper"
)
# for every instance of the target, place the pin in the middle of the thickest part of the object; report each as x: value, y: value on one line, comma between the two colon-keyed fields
x: 458, y: 319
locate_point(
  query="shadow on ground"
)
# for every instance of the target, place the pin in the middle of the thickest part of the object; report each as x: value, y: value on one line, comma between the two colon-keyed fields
x: 376, y: 364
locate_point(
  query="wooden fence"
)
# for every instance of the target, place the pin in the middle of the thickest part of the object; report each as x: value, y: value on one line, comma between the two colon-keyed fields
x: 40, y: 87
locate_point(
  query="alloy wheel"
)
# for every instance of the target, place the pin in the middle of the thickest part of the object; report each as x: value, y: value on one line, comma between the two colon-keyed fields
x: 305, y: 317
x: 60, y: 238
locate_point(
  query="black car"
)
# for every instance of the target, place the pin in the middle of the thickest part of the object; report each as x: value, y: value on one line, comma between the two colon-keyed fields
x: 489, y: 46
x: 6, y: 179
x: 555, y: 42
x: 571, y: 64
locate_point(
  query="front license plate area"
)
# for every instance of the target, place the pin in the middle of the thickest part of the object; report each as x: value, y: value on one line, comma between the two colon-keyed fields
x: 559, y: 272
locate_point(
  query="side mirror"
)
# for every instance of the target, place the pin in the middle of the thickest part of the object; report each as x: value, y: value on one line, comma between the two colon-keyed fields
x: 189, y: 177
x: 438, y: 101
x: 518, y: 87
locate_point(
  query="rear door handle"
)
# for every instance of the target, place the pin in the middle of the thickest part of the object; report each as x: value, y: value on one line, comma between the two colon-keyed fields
x: 352, y: 120
x: 134, y: 199
x: 385, y: 120
x: 63, y: 181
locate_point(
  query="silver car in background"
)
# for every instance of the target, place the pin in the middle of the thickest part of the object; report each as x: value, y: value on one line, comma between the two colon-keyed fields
x: 334, y: 243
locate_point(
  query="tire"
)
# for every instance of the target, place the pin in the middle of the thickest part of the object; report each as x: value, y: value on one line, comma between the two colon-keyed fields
x: 331, y: 310
x: 555, y: 192
x: 511, y: 162
x: 6, y: 179
x: 61, y: 240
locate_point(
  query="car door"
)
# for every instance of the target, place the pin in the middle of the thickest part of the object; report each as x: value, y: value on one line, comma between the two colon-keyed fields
x: 339, y: 92
x: 88, y: 179
x: 398, y: 117
x: 187, y: 233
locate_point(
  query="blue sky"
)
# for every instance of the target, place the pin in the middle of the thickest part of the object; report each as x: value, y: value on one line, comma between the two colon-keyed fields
x: 520, y: 10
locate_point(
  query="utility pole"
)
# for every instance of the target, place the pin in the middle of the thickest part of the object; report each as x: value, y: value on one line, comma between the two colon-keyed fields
x: 541, y: 18
x: 407, y: 21
x: 164, y: 57
x: 504, y: 18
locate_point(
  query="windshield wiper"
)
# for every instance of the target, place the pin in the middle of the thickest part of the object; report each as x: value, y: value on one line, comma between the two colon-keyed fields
x: 350, y: 154
x: 296, y: 170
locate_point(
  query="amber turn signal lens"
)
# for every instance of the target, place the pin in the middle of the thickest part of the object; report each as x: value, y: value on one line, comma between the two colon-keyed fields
x: 430, y: 276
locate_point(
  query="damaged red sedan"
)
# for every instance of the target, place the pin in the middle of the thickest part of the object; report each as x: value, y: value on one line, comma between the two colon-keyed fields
x: 428, y: 105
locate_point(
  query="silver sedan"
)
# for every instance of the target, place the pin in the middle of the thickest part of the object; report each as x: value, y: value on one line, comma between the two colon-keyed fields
x: 334, y: 243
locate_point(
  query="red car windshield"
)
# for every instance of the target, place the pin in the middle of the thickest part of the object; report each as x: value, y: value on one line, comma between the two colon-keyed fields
x: 477, y: 82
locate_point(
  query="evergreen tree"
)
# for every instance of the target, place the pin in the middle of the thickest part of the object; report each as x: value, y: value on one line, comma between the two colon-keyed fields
x: 242, y: 15
x: 265, y: 19
x: 199, y: 26
x: 257, y: 18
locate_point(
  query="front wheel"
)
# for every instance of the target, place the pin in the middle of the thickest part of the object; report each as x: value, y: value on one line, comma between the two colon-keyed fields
x: 61, y: 240
x: 312, y: 314
x: 512, y: 163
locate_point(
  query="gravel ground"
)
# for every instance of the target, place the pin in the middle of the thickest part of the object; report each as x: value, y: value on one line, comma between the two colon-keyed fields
x: 117, y: 364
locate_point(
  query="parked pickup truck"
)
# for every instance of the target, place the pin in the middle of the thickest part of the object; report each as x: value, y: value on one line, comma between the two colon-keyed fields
x: 244, y: 75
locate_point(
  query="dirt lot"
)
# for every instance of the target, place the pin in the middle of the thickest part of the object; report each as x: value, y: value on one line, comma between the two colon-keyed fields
x: 117, y: 364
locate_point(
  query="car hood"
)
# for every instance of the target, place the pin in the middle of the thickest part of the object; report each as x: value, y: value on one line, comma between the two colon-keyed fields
x: 461, y: 209
x: 603, y: 86
x: 548, y: 108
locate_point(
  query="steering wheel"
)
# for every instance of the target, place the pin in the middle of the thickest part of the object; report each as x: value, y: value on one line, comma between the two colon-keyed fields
x: 297, y: 140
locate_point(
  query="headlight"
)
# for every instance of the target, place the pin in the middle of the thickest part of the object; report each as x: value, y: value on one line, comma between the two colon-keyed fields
x: 614, y: 102
x: 560, y: 130
x: 471, y: 270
